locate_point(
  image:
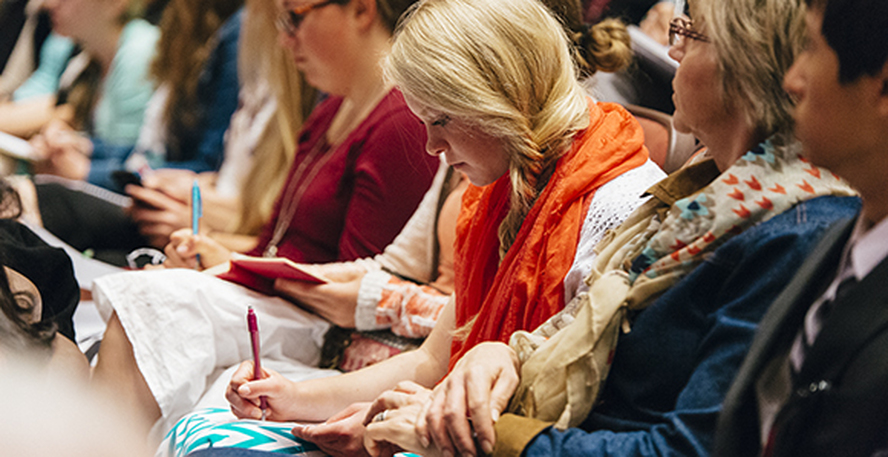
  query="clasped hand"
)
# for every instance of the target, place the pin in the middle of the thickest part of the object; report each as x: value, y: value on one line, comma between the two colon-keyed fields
x: 456, y: 417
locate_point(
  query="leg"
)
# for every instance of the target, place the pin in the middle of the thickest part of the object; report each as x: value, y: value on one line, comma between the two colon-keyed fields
x: 116, y: 372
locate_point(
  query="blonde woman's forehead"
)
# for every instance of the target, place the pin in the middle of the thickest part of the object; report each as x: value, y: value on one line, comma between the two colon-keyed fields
x: 420, y: 108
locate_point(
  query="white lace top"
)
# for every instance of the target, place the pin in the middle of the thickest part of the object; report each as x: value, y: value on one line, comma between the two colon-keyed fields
x: 611, y: 205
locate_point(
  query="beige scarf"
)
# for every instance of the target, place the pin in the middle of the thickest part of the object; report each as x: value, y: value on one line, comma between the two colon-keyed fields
x: 565, y: 361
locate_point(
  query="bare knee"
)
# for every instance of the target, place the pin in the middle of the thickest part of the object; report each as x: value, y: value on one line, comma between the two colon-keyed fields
x: 117, y: 372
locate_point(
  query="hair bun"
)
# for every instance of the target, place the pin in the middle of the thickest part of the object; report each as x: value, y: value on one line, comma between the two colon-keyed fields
x: 605, y: 46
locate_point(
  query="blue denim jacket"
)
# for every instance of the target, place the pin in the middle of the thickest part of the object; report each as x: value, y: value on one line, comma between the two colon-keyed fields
x: 218, y: 92
x: 672, y: 371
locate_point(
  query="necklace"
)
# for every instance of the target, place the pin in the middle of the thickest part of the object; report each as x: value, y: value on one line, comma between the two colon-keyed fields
x: 297, y: 186
x: 293, y: 193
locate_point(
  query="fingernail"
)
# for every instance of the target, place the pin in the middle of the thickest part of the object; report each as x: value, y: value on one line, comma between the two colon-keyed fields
x: 487, y: 447
x: 495, y: 415
x: 424, y: 441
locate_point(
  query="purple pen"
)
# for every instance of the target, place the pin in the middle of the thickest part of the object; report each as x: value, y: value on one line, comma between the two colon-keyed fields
x: 253, y: 327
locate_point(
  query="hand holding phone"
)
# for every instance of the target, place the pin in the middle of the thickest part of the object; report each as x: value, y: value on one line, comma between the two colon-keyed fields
x: 123, y: 177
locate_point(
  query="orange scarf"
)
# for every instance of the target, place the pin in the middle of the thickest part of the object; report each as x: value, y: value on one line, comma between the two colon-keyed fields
x: 528, y: 286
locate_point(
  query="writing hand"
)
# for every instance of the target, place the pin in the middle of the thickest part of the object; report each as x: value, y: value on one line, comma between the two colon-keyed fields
x: 243, y: 394
x: 184, y: 246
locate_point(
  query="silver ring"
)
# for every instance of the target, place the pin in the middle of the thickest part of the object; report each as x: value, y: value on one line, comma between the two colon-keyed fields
x: 380, y: 417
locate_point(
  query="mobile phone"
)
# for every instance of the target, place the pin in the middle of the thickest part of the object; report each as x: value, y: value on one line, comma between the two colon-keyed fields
x: 123, y: 177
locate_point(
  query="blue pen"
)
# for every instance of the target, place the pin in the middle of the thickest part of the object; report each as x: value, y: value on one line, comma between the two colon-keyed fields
x: 196, y: 212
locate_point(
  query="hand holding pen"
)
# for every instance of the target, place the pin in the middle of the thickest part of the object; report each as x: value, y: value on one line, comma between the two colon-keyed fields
x: 196, y: 214
x: 253, y: 327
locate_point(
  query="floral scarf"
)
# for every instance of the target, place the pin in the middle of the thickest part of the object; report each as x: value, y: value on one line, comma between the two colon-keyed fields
x: 563, y: 365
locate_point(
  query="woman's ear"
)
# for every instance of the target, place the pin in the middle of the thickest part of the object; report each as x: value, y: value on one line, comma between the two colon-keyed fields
x: 365, y: 11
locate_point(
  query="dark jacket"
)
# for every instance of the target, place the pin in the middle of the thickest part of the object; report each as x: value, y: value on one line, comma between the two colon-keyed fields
x: 839, y: 404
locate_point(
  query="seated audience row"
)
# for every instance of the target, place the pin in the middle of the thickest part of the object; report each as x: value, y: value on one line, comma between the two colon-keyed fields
x: 772, y: 164
x: 185, y: 123
x: 526, y: 358
x: 625, y: 152
x: 358, y: 175
x: 791, y: 396
x: 696, y: 266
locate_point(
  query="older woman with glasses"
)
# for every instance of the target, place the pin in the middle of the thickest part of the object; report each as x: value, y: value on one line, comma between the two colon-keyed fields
x: 690, y: 274
x: 358, y: 174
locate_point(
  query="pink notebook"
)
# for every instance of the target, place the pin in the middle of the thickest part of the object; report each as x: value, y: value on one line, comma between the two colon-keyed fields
x: 259, y: 273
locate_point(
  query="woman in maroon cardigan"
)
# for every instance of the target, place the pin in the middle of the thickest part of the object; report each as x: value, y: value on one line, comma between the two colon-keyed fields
x: 358, y: 174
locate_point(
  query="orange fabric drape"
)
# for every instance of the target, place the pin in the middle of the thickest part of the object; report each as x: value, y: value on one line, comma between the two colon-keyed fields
x: 527, y: 287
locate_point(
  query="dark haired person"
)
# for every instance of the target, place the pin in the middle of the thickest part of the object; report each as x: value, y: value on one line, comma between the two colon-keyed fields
x: 38, y: 296
x: 814, y: 381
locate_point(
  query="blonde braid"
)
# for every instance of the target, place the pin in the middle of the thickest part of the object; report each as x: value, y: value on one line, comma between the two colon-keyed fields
x: 524, y: 172
x: 535, y: 151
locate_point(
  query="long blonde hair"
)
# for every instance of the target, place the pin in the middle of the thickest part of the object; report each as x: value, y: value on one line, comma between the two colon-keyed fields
x: 260, y: 58
x: 507, y: 67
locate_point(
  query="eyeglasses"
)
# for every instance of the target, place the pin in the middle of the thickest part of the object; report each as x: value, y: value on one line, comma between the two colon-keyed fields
x: 289, y: 21
x: 680, y: 28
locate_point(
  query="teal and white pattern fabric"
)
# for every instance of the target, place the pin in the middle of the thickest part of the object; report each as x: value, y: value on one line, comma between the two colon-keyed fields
x: 217, y: 427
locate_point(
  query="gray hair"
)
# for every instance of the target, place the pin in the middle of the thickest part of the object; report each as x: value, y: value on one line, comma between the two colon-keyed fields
x: 756, y: 42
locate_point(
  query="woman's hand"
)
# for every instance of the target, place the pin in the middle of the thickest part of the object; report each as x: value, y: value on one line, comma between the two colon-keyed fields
x: 157, y: 214
x: 65, y: 152
x: 243, y: 394
x: 184, y: 247
x: 341, y: 435
x: 334, y: 301
x: 173, y: 182
x: 391, y: 421
x: 470, y: 399
x: 339, y: 271
x: 68, y: 163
